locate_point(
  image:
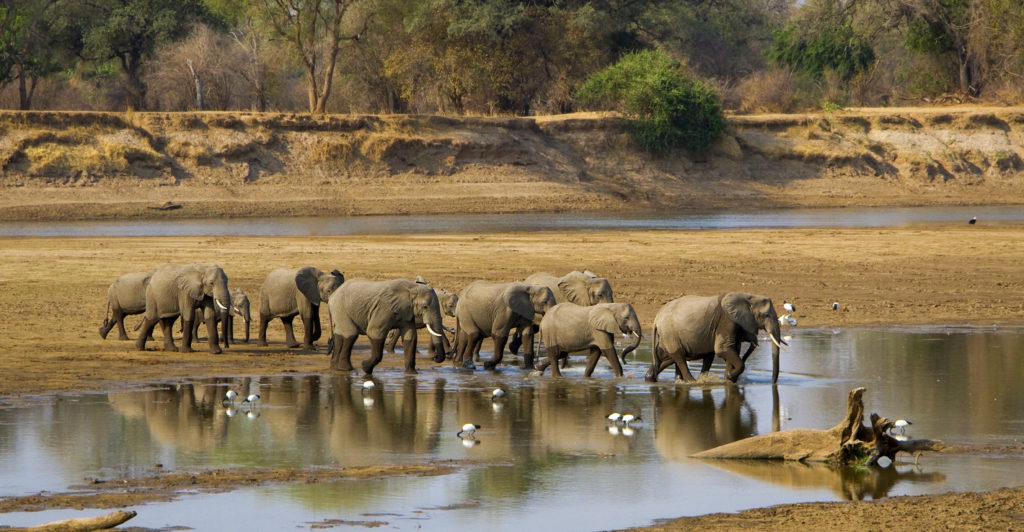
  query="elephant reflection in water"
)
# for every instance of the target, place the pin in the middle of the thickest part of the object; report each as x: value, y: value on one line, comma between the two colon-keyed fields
x: 365, y: 427
x: 687, y: 421
x: 183, y: 416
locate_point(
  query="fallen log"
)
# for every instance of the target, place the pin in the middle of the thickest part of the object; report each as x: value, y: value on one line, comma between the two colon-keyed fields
x: 847, y: 442
x: 80, y: 524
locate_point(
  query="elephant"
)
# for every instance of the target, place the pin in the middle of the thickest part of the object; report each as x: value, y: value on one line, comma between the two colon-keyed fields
x: 362, y: 306
x: 582, y: 288
x: 125, y: 297
x: 487, y: 309
x: 176, y: 290
x: 448, y: 301
x: 286, y: 293
x: 239, y: 307
x: 568, y: 327
x: 695, y: 327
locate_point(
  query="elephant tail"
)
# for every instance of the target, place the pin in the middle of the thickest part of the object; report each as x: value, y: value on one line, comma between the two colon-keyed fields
x: 655, y: 359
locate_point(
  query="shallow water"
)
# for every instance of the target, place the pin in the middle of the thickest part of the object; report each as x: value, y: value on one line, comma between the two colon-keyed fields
x: 507, y: 223
x: 558, y: 465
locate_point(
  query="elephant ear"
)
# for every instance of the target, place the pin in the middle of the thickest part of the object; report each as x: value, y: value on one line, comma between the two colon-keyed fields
x: 575, y: 290
x: 306, y: 279
x: 421, y: 280
x: 397, y: 300
x: 602, y: 318
x: 518, y: 299
x: 737, y: 308
x: 190, y: 281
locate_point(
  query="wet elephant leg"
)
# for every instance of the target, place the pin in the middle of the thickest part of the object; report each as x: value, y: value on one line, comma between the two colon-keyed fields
x: 147, y: 329
x: 315, y: 318
x: 680, y: 361
x: 499, y: 351
x: 613, y: 359
x: 391, y: 342
x: 376, y: 355
x: 211, y: 333
x: 733, y: 365
x: 592, y: 357
x: 528, y: 349
x: 705, y: 365
x: 289, y: 333
x: 551, y: 360
x: 341, y: 354
x: 409, y: 346
x: 657, y: 356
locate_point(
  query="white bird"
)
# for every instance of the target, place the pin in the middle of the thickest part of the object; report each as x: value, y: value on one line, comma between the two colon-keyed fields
x: 252, y: 398
x: 901, y: 424
x: 368, y: 385
x: 230, y: 395
x: 498, y: 393
x: 629, y: 418
x: 786, y: 318
x: 469, y: 429
x: 788, y: 306
x: 614, y: 417
x: 973, y: 220
x: 835, y: 305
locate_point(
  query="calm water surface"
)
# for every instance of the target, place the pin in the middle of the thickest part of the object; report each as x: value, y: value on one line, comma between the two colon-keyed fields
x: 508, y: 223
x: 559, y: 466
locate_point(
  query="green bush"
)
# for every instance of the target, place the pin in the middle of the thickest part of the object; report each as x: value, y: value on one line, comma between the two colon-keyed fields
x: 666, y: 106
x: 815, y: 51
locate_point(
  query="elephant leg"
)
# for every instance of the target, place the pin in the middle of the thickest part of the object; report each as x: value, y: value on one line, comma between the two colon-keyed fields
x: 409, y: 346
x: 186, y: 336
x: 468, y: 342
x: 261, y: 331
x: 315, y: 318
x: 680, y: 362
x: 592, y: 357
x: 565, y: 361
x: 195, y: 329
x: 341, y: 352
x: 225, y: 330
x: 391, y: 342
x: 246, y: 331
x: 613, y: 359
x: 211, y: 332
x: 551, y: 360
x: 147, y: 329
x: 229, y: 330
x: 118, y: 317
x: 499, y: 351
x: 167, y: 327
x: 289, y: 334
x: 376, y: 355
x: 308, y: 332
x: 516, y: 342
x: 750, y: 349
x: 657, y: 355
x: 705, y: 365
x: 528, y: 354
x: 733, y: 365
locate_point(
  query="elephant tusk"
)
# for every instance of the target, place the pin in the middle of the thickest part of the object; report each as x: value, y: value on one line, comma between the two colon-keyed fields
x: 635, y: 334
x: 449, y: 330
x: 431, y: 331
x: 219, y: 304
x: 774, y: 341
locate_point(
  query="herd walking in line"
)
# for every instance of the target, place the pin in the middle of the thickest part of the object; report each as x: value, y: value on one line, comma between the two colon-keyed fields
x: 575, y: 313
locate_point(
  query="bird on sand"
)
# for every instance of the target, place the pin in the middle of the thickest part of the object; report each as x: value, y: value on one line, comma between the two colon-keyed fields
x: 469, y: 429
x: 835, y: 305
x: 788, y: 306
x: 973, y: 220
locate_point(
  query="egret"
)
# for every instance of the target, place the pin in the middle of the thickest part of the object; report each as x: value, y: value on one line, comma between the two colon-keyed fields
x: 230, y: 395
x: 788, y: 306
x: 973, y: 220
x: 498, y: 393
x: 901, y: 424
x: 835, y: 305
x: 629, y: 418
x: 252, y: 398
x: 614, y: 417
x: 368, y: 385
x: 469, y: 429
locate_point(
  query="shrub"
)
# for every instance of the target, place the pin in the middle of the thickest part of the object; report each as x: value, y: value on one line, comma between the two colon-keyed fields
x: 667, y: 107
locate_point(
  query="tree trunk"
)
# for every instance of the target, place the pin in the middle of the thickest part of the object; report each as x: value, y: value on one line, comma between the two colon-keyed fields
x: 199, y: 84
x: 102, y: 522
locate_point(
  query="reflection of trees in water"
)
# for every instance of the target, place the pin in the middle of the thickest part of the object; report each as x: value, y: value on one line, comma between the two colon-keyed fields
x: 689, y: 420
x: 848, y: 483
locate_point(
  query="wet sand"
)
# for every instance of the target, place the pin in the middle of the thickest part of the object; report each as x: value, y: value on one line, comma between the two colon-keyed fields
x: 53, y: 296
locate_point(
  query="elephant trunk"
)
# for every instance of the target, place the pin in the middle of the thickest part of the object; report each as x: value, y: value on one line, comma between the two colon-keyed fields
x: 774, y: 335
x: 637, y: 337
x: 435, y: 327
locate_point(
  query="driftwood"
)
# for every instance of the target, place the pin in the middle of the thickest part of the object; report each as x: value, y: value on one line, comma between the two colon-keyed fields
x: 79, y: 524
x: 167, y: 206
x: 849, y: 441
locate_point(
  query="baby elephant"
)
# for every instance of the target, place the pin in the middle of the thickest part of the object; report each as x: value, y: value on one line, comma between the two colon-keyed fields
x: 569, y: 327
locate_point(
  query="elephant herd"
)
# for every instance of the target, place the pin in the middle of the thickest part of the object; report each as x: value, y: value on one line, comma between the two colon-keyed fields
x: 575, y: 313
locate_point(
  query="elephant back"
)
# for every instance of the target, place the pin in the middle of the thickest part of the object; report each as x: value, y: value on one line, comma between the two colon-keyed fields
x: 129, y: 292
x: 279, y: 293
x: 549, y: 281
x: 687, y: 322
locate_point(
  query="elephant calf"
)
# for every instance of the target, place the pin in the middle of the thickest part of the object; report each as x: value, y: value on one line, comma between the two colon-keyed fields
x: 569, y: 327
x: 287, y: 293
x: 239, y: 307
x: 698, y: 328
x: 125, y: 297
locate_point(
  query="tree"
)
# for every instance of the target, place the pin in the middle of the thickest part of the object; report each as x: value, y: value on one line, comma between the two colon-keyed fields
x: 26, y: 50
x: 129, y: 32
x: 667, y: 106
x: 316, y: 30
